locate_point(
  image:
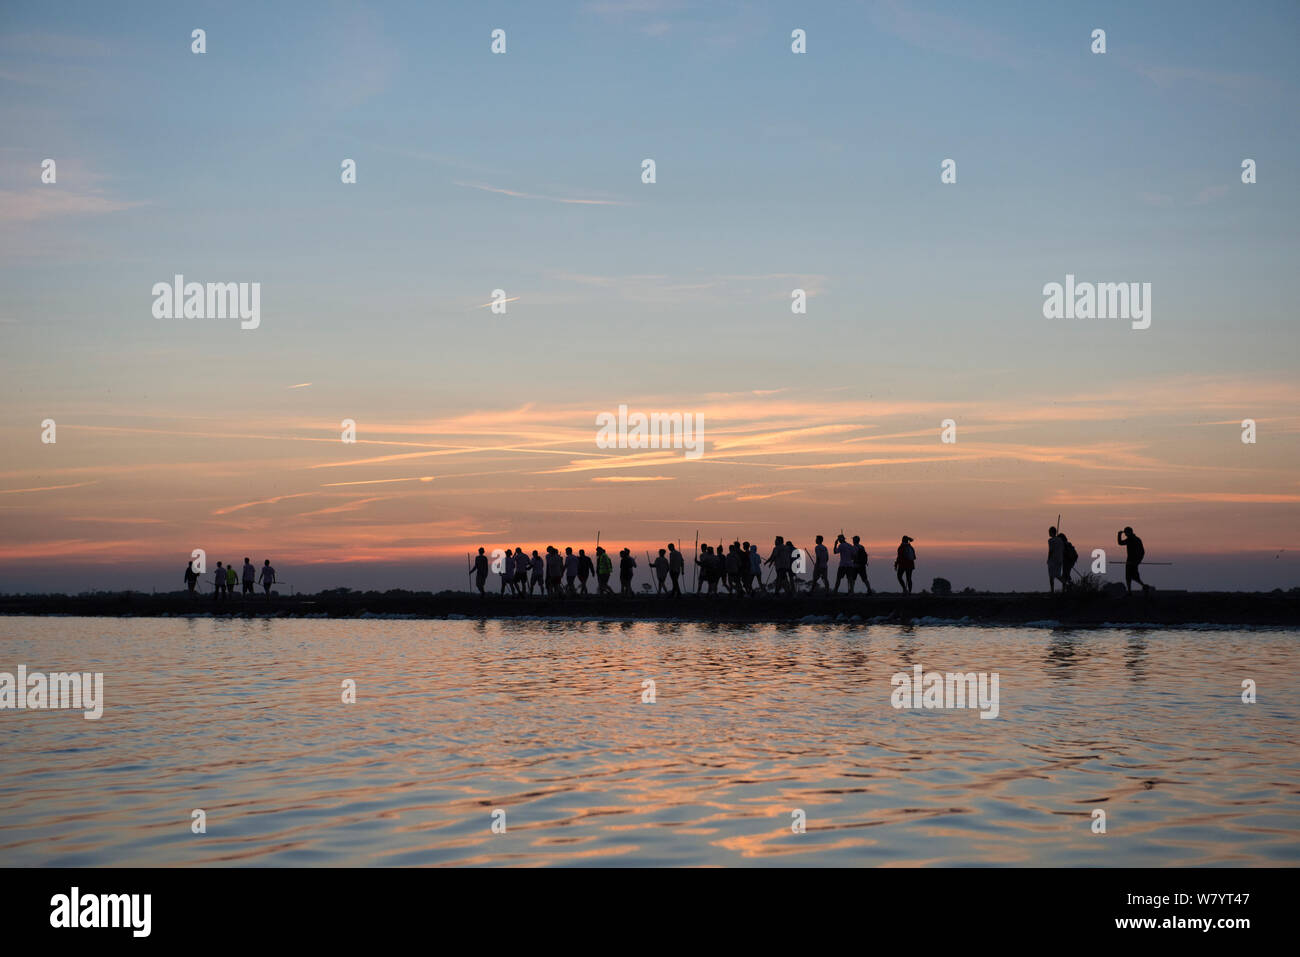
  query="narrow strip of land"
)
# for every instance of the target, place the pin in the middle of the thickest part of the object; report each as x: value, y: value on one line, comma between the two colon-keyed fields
x: 1158, y: 608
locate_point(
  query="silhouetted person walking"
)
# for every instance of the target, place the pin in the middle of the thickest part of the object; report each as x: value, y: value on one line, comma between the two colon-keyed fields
x: 779, y: 559
x: 480, y: 570
x: 191, y: 578
x: 219, y: 582
x: 705, y: 561
x: 734, y: 563
x: 585, y: 569
x: 860, y: 559
x: 554, y: 571
x: 604, y: 568
x: 675, y: 566
x: 1134, y: 558
x: 1069, y: 556
x: 661, y: 571
x: 570, y: 571
x: 821, y: 563
x: 522, y: 564
x: 905, y: 563
x: 1055, y: 555
x: 268, y: 577
x: 755, y: 568
x: 508, y: 572
x: 249, y: 576
x: 626, y: 569
x: 848, y: 567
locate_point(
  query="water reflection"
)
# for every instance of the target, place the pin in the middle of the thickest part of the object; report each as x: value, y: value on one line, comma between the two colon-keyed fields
x: 546, y: 721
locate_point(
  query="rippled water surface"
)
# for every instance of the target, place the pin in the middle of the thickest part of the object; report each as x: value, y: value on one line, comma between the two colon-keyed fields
x: 545, y: 720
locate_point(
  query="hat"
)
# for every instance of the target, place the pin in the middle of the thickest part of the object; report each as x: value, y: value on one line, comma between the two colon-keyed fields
x: 907, y: 538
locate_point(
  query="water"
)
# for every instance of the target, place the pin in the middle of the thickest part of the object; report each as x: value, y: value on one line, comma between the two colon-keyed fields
x: 545, y: 721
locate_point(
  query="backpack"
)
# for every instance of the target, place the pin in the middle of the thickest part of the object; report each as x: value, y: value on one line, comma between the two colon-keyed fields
x: 860, y: 556
x: 1071, y: 553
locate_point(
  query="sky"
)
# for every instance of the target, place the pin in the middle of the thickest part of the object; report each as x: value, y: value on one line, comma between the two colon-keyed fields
x: 523, y: 172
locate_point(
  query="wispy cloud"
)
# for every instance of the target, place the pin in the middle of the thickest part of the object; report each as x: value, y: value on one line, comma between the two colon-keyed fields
x: 44, y: 488
x: 390, y: 481
x: 262, y: 501
x: 574, y: 200
x: 942, y: 33
x: 55, y: 200
x: 1167, y: 77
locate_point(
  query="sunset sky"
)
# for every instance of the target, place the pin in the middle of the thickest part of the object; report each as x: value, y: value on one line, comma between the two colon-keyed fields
x: 522, y: 172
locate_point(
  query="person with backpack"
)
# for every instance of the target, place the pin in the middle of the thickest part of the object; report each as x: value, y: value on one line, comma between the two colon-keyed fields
x: 860, y: 559
x: 570, y: 570
x: 755, y: 568
x: 191, y: 577
x: 1134, y: 558
x: 538, y: 566
x: 604, y: 568
x: 1069, y: 557
x: 554, y: 572
x: 904, y: 563
x: 736, y: 563
x: 707, y: 578
x: 780, y: 560
x: 847, y: 568
x: 660, y: 565
x: 1055, y: 555
x: 521, y: 567
x: 717, y: 565
x: 626, y: 569
x: 508, y: 572
x: 585, y: 569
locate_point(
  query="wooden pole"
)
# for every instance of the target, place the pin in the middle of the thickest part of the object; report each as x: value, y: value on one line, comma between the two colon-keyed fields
x: 695, y: 567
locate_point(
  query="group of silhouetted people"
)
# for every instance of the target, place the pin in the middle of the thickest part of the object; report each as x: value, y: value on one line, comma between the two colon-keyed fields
x: 1062, y: 557
x: 739, y: 568
x: 556, y: 575
x: 225, y: 580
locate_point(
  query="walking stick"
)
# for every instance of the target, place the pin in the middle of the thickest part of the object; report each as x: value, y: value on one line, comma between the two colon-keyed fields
x: 697, y: 560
